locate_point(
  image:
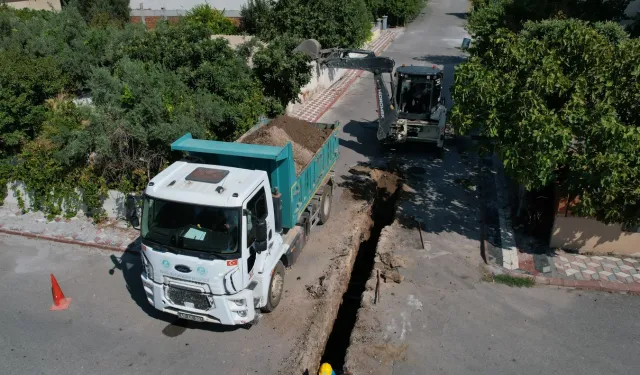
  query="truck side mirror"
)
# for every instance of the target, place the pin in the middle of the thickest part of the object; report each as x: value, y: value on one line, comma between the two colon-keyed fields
x: 261, y: 235
x: 131, y: 211
x: 261, y: 230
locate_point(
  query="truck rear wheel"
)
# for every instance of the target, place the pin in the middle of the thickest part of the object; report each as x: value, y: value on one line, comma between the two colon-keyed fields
x: 276, y: 286
x: 325, y: 204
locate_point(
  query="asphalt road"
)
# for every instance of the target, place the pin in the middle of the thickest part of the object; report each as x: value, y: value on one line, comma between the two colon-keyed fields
x: 110, y: 328
x: 463, y: 325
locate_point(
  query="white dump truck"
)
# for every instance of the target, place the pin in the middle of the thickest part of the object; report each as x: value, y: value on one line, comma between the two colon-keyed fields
x: 219, y: 228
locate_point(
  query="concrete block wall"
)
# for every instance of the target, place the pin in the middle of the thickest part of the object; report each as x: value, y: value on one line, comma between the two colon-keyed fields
x: 322, y: 78
x: 113, y: 203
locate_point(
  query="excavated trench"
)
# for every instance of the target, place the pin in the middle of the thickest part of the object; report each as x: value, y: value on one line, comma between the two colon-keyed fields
x: 383, y: 213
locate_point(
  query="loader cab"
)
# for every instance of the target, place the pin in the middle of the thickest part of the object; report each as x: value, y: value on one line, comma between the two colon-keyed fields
x: 418, y: 91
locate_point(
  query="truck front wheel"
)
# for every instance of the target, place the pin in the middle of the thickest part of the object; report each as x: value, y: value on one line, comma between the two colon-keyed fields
x: 276, y: 286
x: 325, y: 204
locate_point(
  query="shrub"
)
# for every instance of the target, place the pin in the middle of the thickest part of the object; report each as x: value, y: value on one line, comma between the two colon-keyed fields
x: 399, y: 12
x: 102, y: 12
x: 281, y: 72
x: 256, y: 15
x: 213, y: 19
x: 25, y: 83
x: 334, y: 23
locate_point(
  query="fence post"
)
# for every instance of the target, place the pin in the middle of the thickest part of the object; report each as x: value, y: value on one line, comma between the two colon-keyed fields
x: 384, y: 22
x: 379, y: 23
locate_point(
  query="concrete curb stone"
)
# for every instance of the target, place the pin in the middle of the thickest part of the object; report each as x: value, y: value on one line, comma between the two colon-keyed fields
x: 78, y: 240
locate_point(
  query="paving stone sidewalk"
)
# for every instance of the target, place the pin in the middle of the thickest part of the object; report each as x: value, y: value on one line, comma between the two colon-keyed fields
x: 606, y: 268
x: 315, y: 108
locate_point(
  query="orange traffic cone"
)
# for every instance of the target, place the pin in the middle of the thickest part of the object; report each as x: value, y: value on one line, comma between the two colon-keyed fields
x: 59, y: 300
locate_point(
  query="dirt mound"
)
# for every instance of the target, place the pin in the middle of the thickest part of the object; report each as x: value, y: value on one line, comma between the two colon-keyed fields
x: 305, y: 138
x: 273, y: 136
x: 302, y: 132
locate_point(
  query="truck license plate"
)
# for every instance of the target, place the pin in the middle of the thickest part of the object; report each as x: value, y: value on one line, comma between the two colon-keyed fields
x: 195, y: 318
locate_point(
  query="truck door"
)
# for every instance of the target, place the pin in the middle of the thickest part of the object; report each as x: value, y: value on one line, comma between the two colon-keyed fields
x: 258, y: 208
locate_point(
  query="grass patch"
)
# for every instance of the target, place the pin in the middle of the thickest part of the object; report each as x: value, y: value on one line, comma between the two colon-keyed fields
x: 512, y: 281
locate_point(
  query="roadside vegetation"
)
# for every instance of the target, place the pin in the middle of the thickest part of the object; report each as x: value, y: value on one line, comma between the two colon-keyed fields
x: 90, y: 102
x: 554, y: 86
x: 512, y: 281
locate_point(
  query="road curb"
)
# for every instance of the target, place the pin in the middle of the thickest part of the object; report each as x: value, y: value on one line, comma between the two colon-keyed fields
x: 66, y: 240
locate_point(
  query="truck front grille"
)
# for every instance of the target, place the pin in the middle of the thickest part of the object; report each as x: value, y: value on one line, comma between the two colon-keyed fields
x: 179, y: 296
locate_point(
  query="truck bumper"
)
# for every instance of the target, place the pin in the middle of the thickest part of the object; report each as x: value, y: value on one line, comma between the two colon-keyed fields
x: 224, y: 309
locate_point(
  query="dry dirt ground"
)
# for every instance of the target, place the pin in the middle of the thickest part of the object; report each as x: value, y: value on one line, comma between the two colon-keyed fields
x: 434, y: 234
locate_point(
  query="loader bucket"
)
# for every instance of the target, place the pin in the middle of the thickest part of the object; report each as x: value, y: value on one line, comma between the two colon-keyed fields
x: 309, y: 47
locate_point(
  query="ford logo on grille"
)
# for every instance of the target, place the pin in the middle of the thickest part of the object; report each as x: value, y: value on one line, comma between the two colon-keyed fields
x: 183, y: 269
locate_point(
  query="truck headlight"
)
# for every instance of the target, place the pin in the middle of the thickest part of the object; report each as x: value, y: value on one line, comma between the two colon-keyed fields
x: 239, y: 302
x: 148, y: 269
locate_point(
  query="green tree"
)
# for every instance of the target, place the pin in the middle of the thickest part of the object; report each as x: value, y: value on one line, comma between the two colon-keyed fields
x: 148, y: 88
x: 25, y: 84
x: 558, y: 100
x: 256, y: 15
x: 102, y: 12
x: 491, y: 16
x: 400, y: 12
x: 334, y: 23
x: 211, y: 18
x: 281, y: 72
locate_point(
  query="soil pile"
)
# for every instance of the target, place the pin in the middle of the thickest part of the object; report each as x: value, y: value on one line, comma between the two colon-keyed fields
x: 302, y: 132
x: 305, y: 138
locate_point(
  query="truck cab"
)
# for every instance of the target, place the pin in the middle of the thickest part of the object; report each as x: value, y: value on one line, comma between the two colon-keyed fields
x: 421, y: 109
x: 208, y: 236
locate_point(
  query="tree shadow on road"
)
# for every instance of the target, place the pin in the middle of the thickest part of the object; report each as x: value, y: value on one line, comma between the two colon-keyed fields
x: 461, y: 15
x: 441, y: 190
x: 130, y: 265
x: 365, y: 143
x: 441, y: 59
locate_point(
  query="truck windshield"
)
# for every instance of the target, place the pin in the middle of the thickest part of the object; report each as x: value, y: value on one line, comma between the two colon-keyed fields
x: 191, y: 227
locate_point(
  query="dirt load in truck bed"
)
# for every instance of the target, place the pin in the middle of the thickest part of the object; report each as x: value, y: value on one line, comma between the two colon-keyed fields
x: 305, y: 138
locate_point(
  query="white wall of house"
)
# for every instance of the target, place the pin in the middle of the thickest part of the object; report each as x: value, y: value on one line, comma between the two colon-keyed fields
x: 186, y: 4
x: 35, y: 4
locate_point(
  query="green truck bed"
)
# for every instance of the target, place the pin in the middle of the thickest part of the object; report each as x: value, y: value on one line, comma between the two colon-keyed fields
x: 297, y: 191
